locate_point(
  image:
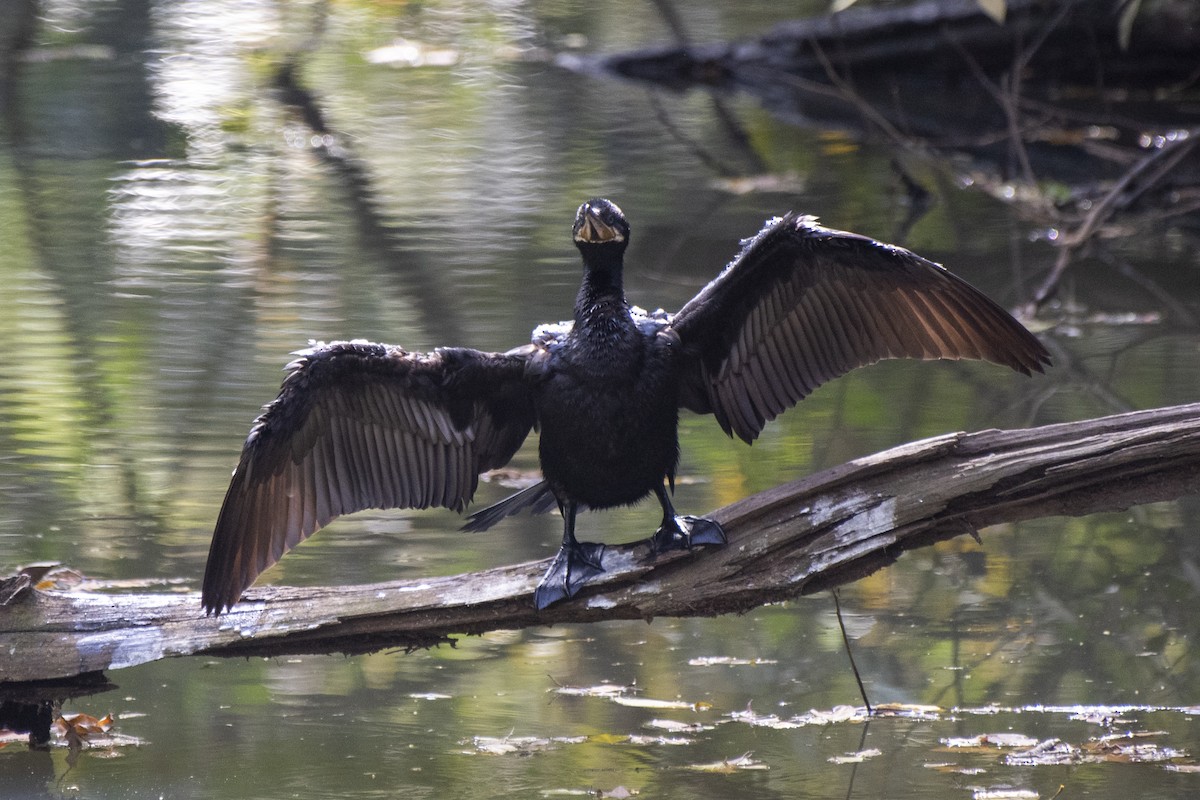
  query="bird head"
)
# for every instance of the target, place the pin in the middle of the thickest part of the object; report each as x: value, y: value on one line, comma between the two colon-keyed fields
x: 600, y: 227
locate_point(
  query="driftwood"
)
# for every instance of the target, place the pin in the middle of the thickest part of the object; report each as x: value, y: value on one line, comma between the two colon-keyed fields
x: 799, y: 538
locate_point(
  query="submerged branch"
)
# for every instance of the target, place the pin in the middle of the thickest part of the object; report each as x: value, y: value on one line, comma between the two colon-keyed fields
x: 812, y: 534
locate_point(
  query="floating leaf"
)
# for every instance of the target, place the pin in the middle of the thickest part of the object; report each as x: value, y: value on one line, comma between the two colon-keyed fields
x: 908, y: 711
x: 7, y: 737
x: 81, y: 725
x: 728, y: 661
x: 730, y: 765
x: 522, y: 745
x: 986, y: 740
x: 675, y: 726
x: 603, y: 690
x: 1047, y: 753
x: 942, y: 766
x: 835, y: 714
x: 963, y: 742
x: 1115, y: 739
x: 772, y: 721
x: 985, y: 710
x: 1004, y: 793
x: 856, y: 758
x: 666, y: 740
x: 646, y: 702
x: 1126, y: 748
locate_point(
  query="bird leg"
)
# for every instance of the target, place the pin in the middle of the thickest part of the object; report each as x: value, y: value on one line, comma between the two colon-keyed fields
x: 682, y: 533
x: 576, y: 564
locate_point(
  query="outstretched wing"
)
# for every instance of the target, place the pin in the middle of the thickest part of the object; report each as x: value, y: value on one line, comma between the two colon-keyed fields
x: 802, y: 304
x: 359, y: 425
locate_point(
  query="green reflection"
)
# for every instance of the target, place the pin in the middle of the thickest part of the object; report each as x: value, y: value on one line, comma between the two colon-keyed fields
x: 170, y: 236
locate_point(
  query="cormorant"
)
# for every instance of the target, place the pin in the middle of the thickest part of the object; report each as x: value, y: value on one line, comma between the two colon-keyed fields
x: 359, y: 425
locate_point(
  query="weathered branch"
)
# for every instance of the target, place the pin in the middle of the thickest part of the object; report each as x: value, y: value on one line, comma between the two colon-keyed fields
x: 808, y: 535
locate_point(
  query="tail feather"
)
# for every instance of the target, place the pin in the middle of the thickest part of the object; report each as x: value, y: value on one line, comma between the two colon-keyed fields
x: 538, y: 499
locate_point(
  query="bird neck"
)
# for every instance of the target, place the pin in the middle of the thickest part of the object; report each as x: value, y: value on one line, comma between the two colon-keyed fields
x: 601, y: 306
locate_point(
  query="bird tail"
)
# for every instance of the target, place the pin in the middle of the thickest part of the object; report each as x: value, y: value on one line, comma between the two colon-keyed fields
x: 538, y: 499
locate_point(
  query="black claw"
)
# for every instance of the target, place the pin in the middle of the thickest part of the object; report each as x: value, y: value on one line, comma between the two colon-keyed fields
x: 686, y: 533
x: 705, y: 531
x: 571, y: 569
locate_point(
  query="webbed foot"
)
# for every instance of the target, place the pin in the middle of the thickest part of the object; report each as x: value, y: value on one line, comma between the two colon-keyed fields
x: 685, y: 533
x: 571, y: 569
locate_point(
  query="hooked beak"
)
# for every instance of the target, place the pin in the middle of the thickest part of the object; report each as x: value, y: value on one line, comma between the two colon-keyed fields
x: 590, y: 229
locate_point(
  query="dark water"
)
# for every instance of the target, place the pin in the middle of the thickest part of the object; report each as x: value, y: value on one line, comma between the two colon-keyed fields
x: 170, y: 235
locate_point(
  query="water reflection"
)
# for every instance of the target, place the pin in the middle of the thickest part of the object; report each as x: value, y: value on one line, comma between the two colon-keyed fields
x: 171, y: 234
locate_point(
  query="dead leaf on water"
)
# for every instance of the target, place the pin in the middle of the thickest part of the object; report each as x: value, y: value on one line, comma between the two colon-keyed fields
x: 836, y: 714
x: 1129, y: 748
x: 647, y: 702
x: 616, y: 793
x: 985, y: 741
x: 1047, y: 753
x: 520, y: 745
x: 772, y: 721
x: 855, y: 758
x: 82, y: 725
x: 8, y: 737
x: 728, y: 661
x: 603, y: 690
x: 908, y: 711
x: 947, y: 767
x: 663, y: 740
x: 730, y: 765
x: 675, y: 726
x: 1004, y: 793
x: 1116, y: 739
x: 1132, y: 749
x: 77, y: 730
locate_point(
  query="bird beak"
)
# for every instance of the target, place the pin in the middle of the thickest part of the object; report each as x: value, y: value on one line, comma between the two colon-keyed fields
x: 593, y: 230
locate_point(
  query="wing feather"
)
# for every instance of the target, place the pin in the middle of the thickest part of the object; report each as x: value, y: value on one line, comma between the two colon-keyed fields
x: 359, y: 425
x: 802, y: 304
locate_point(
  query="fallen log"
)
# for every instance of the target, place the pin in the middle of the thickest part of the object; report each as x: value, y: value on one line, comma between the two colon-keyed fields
x: 805, y: 536
x: 1061, y: 93
x: 1079, y: 42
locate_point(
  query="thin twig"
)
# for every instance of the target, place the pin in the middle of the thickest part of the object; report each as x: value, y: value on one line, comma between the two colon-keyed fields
x: 846, y: 92
x: 837, y: 606
x: 1162, y: 161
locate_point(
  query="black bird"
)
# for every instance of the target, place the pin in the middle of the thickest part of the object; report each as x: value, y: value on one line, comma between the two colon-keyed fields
x: 360, y: 425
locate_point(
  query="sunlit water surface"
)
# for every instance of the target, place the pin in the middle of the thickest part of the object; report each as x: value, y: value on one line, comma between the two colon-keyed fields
x: 170, y: 235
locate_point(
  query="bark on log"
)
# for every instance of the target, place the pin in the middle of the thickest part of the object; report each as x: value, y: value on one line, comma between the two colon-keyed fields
x: 812, y: 534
